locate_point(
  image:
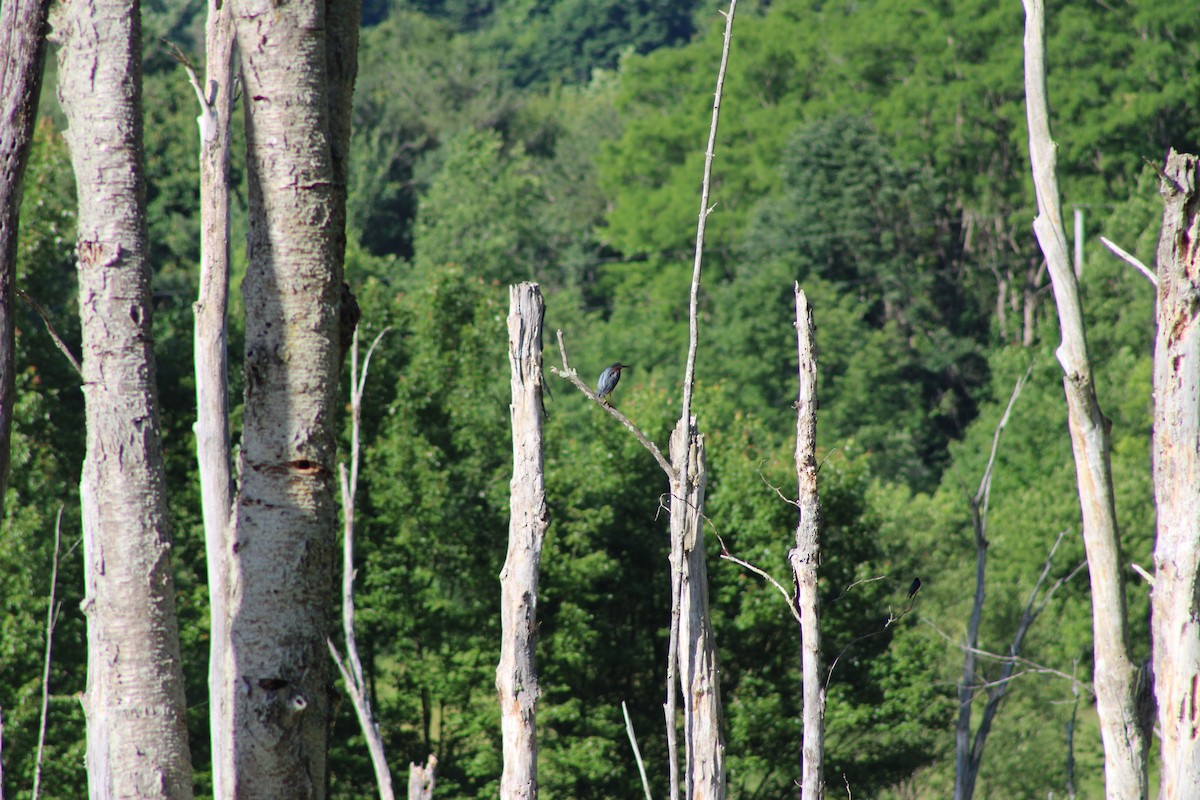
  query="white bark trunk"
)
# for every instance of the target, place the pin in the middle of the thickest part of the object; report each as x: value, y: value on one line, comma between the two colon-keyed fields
x: 1176, y: 593
x: 284, y: 528
x: 1121, y: 725
x: 699, y: 681
x: 212, y: 383
x: 516, y: 675
x: 23, y: 45
x: 136, y: 718
x: 806, y: 557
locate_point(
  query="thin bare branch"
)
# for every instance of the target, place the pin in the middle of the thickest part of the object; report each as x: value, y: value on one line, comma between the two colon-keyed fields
x: 58, y: 340
x: 791, y: 603
x: 1131, y: 259
x: 571, y: 375
x: 351, y: 667
x: 637, y: 754
x: 51, y: 620
x: 777, y: 490
x: 705, y: 209
x: 1146, y: 576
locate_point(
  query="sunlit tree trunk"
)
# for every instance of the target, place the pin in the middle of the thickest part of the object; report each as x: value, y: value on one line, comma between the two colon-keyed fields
x: 1176, y: 592
x: 284, y: 527
x: 22, y: 57
x: 134, y: 703
x: 516, y: 675
x: 1122, y: 723
x: 805, y: 557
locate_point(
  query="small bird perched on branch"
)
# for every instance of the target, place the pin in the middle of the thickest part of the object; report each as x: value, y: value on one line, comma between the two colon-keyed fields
x: 608, y: 381
x: 914, y: 587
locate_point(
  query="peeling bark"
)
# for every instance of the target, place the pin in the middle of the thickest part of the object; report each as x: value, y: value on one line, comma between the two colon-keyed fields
x: 516, y: 675
x: 1175, y: 598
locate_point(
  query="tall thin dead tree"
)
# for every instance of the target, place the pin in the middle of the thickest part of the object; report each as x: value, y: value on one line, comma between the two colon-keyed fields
x: 806, y: 558
x: 1123, y: 726
x: 693, y: 634
x: 297, y: 68
x: 210, y: 347
x: 1176, y: 630
x: 134, y: 703
x: 22, y: 58
x: 691, y: 658
x: 516, y: 674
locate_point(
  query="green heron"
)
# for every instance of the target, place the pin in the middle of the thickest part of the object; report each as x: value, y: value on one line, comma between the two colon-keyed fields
x: 608, y: 381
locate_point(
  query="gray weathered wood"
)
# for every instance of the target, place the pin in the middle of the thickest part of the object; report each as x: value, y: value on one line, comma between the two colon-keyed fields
x: 1122, y: 727
x: 805, y: 558
x: 1176, y: 592
x: 210, y: 352
x: 516, y: 674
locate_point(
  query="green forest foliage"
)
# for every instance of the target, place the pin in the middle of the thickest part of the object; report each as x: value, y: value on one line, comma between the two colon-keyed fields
x: 873, y: 151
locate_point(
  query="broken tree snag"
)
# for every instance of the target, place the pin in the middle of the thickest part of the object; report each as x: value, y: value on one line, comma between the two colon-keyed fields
x: 1176, y: 629
x: 516, y: 674
x: 806, y: 557
x: 698, y: 676
x: 1122, y: 728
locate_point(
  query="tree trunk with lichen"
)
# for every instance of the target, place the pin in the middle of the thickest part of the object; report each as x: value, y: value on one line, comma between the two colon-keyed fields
x: 134, y: 703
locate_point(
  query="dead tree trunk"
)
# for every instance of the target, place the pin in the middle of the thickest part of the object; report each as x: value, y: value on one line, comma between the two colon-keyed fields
x: 216, y: 97
x: 516, y: 675
x: 806, y: 558
x: 1176, y: 629
x: 23, y: 45
x: 284, y: 528
x: 701, y: 689
x: 136, y: 717
x: 1122, y: 726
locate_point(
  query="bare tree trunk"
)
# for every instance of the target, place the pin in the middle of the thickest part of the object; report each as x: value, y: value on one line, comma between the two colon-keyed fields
x: 284, y: 527
x: 806, y: 557
x: 701, y: 689
x: 216, y: 99
x: 136, y: 717
x: 1122, y: 725
x: 1176, y: 630
x: 22, y: 57
x: 516, y: 675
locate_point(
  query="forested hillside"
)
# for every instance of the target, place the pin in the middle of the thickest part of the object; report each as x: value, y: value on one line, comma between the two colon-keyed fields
x: 875, y: 152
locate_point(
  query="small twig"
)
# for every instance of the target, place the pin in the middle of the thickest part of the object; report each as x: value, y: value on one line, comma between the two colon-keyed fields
x: 571, y: 375
x: 1146, y: 576
x: 727, y: 556
x: 58, y: 340
x: 1129, y: 258
x: 846, y: 591
x: 1033, y: 665
x: 1162, y: 174
x: 51, y: 619
x: 776, y: 489
x: 637, y: 754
